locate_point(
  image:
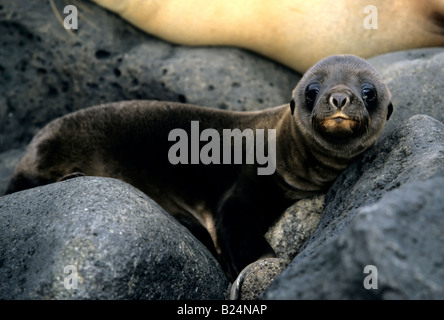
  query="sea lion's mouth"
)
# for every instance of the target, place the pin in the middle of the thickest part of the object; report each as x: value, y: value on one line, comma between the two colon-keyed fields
x: 339, y: 119
x: 338, y: 116
x: 338, y: 123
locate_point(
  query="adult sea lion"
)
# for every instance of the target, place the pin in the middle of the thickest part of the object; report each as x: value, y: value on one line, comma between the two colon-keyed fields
x: 296, y: 33
x: 337, y: 111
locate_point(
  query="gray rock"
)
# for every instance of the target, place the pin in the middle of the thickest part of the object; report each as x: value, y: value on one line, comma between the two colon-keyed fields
x: 295, y: 227
x: 123, y: 245
x: 47, y: 72
x: 8, y: 161
x: 416, y: 81
x: 258, y: 277
x: 385, y: 210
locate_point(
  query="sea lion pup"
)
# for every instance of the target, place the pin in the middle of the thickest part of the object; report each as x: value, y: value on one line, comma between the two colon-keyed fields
x: 297, y: 33
x: 337, y: 111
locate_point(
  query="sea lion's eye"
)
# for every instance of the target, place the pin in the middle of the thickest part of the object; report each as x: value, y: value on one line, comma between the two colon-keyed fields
x: 369, y: 95
x: 311, y: 92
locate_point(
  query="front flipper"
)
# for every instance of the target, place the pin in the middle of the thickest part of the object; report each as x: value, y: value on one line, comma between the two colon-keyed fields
x: 71, y: 176
x: 255, y: 278
x: 239, y: 235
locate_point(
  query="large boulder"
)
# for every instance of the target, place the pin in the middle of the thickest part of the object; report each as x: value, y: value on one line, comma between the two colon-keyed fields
x: 384, y: 211
x: 416, y: 81
x: 116, y: 242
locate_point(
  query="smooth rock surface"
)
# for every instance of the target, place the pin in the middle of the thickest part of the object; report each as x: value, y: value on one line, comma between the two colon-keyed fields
x: 122, y: 244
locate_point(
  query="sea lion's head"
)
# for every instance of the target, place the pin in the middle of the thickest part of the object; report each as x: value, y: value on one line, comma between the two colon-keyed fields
x: 341, y: 102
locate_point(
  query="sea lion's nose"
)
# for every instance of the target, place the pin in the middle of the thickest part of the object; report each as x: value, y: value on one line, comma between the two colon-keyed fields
x: 339, y: 100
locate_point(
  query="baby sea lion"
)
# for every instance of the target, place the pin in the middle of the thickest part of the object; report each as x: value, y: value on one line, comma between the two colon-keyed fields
x: 297, y: 33
x: 225, y: 175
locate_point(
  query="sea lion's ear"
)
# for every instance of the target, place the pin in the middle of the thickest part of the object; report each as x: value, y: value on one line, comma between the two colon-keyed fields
x: 389, y: 110
x: 292, y: 105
